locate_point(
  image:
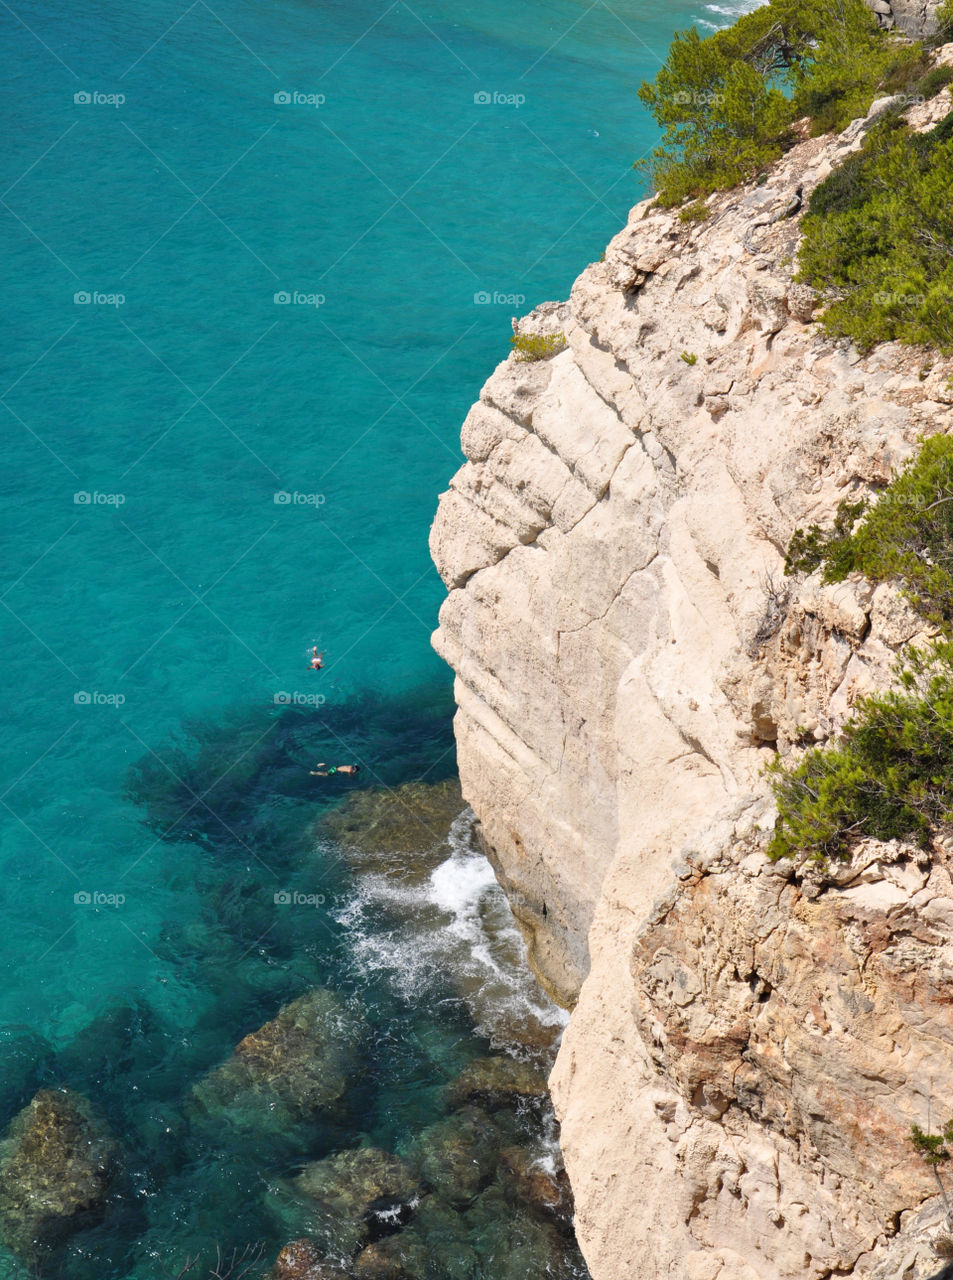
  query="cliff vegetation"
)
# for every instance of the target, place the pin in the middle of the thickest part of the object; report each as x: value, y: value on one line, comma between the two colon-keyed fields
x: 889, y: 775
x: 727, y: 103
x: 877, y: 247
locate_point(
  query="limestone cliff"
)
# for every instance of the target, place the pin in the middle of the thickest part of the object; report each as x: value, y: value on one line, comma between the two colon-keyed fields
x: 749, y: 1043
x: 913, y: 17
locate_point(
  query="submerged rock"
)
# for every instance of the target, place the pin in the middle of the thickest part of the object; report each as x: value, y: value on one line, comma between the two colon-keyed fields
x: 358, y: 1196
x: 303, y: 1260
x: 437, y: 1243
x: 536, y: 1181
x: 498, y: 1082
x: 292, y: 1068
x: 458, y: 1155
x: 124, y: 1038
x: 514, y: 1246
x: 488, y: 1239
x: 377, y: 829
x: 56, y: 1165
x: 397, y: 1258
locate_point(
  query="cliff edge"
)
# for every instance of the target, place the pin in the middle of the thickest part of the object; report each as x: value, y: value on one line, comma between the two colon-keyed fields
x: 750, y: 1042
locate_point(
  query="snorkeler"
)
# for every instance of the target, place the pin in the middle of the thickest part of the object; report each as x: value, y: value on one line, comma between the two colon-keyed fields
x: 317, y: 659
x: 329, y: 770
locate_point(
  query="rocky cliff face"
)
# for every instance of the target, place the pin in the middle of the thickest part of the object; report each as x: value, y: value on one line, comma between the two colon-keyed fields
x: 749, y: 1044
x: 913, y: 17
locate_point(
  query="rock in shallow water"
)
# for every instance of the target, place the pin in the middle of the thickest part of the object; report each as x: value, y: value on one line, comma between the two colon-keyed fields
x: 397, y: 1258
x: 514, y: 1245
x: 303, y: 1260
x: 536, y: 1182
x: 358, y: 1196
x: 498, y: 1082
x: 56, y: 1166
x: 487, y: 1240
x: 458, y: 1155
x: 291, y: 1068
x: 378, y: 829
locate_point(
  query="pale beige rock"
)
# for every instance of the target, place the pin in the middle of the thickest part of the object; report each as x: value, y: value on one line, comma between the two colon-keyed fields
x: 748, y: 1044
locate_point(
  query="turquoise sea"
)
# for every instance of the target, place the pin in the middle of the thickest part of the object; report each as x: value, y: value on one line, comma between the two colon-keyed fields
x: 259, y: 260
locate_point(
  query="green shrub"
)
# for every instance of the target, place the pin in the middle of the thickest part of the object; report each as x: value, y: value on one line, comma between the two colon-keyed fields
x: 833, y: 548
x: 697, y: 211
x: 689, y: 357
x: 906, y: 72
x: 906, y: 536
x: 931, y: 84
x: 537, y: 346
x: 854, y: 183
x: 932, y: 1146
x: 726, y: 102
x: 888, y: 777
x: 878, y: 239
x: 944, y: 19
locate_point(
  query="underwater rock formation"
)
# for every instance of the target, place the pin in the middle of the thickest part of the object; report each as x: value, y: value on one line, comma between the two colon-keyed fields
x: 57, y: 1162
x: 292, y: 1068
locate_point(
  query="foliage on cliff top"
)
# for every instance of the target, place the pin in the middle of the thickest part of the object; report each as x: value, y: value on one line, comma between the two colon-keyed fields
x: 889, y: 775
x: 878, y: 238
x: 906, y: 536
x: 727, y: 101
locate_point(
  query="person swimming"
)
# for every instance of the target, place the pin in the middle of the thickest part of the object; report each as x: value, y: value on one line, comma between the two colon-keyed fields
x: 317, y: 659
x: 329, y: 770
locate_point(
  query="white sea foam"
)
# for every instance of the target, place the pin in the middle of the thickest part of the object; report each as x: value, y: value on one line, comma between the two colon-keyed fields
x: 456, y: 924
x: 725, y: 14
x: 549, y: 1156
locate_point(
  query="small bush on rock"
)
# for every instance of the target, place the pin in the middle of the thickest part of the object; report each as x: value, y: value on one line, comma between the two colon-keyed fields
x: 944, y: 20
x: 537, y: 346
x: 905, y: 537
x: 934, y: 82
x: 889, y: 776
x: 697, y: 211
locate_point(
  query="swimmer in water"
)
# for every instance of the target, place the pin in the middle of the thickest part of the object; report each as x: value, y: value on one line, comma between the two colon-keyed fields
x: 317, y: 659
x: 329, y: 770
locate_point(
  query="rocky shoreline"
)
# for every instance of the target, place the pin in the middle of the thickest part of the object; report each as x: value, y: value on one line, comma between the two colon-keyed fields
x: 472, y: 1180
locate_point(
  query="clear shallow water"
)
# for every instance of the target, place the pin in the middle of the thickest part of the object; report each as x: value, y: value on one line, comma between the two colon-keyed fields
x: 156, y: 689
